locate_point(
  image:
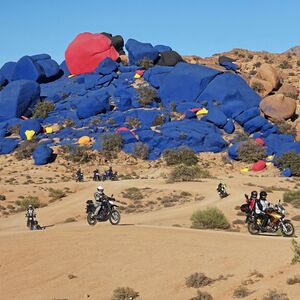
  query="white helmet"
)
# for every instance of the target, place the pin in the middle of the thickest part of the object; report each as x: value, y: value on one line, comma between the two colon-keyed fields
x: 100, y: 189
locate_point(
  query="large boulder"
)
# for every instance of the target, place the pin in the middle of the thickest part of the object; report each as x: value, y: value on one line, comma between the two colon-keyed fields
x: 289, y: 91
x: 17, y: 98
x: 7, y: 145
x: 270, y: 74
x: 278, y: 107
x: 7, y: 70
x: 87, y: 50
x: 29, y: 128
x: 42, y: 155
x: 262, y: 87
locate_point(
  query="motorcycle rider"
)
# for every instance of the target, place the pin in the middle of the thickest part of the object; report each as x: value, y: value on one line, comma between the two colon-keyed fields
x: 261, y: 206
x: 96, y: 176
x: 252, y: 200
x: 99, y: 198
x: 30, y: 211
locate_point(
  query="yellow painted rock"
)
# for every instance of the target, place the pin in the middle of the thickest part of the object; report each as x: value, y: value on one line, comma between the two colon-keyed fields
x: 49, y: 130
x: 137, y: 76
x: 245, y: 170
x: 29, y: 134
x: 84, y: 140
x: 202, y: 111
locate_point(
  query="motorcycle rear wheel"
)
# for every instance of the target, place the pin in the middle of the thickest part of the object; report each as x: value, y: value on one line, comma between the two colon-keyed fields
x: 91, y: 220
x: 114, y: 217
x: 252, y: 228
x: 289, y: 229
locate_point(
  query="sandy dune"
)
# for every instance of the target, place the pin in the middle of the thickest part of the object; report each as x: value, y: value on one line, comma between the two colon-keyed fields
x: 145, y: 252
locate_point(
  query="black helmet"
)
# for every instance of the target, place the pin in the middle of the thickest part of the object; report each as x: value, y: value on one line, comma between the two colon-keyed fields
x: 263, y: 195
x: 253, y: 194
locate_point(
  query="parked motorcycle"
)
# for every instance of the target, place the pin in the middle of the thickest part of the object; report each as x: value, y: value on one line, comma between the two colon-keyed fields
x: 79, y: 177
x: 110, y: 176
x: 276, y: 220
x: 108, y: 211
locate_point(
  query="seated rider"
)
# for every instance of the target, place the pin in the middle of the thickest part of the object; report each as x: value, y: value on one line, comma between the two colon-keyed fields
x: 99, y: 198
x: 30, y: 211
x: 261, y: 206
x: 221, y: 186
x: 252, y: 200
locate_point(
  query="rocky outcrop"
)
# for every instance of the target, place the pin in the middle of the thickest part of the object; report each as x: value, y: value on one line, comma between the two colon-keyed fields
x: 289, y: 91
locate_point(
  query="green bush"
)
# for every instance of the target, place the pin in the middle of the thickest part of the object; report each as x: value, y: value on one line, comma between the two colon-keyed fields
x: 146, y: 95
x: 56, y: 194
x: 111, y: 145
x: 42, y: 109
x: 187, y: 173
x: 133, y: 193
x: 25, y: 149
x: 179, y: 156
x: 210, y: 218
x: 296, y: 252
x: 197, y: 280
x: 290, y: 160
x: 202, y: 296
x: 77, y: 154
x: 33, y: 200
x: 124, y: 293
x: 274, y: 295
x: 141, y: 151
x: 251, y: 151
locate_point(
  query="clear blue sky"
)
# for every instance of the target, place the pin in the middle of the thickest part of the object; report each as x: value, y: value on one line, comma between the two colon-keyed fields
x: 189, y: 27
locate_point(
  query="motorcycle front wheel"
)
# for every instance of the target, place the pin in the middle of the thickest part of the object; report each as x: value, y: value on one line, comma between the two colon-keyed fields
x: 91, y: 220
x: 252, y: 228
x: 114, y: 217
x: 288, y: 230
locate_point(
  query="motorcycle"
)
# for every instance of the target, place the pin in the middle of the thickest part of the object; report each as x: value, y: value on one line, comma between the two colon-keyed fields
x: 222, y: 192
x: 108, y: 211
x: 276, y: 220
x: 79, y: 177
x: 110, y: 176
x: 32, y: 224
x: 96, y: 176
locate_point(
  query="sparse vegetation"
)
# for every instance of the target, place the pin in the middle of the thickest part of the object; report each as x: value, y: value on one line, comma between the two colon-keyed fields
x: 76, y: 154
x: 197, y: 280
x: 274, y: 295
x: 146, y: 95
x: 141, y: 151
x: 292, y: 197
x: 290, y: 160
x: 124, y: 293
x: 33, y: 200
x: 133, y: 122
x: 285, y: 128
x: 250, y: 151
x: 25, y: 149
x: 241, y: 292
x: 56, y: 194
x: 42, y: 109
x: 296, y: 252
x: 293, y: 280
x: 14, y: 129
x: 257, y: 64
x: 2, y: 197
x: 69, y: 123
x: 257, y: 86
x: 241, y: 137
x: 133, y: 193
x: 159, y: 120
x: 145, y: 63
x: 202, y: 296
x: 210, y: 218
x: 111, y: 145
x: 285, y: 65
x: 187, y: 173
x: 179, y: 156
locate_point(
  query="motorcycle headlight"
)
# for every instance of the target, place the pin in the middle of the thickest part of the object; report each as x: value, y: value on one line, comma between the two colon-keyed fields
x: 111, y: 202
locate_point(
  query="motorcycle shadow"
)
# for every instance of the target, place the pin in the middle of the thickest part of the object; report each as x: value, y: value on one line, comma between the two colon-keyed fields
x: 47, y: 226
x: 126, y: 224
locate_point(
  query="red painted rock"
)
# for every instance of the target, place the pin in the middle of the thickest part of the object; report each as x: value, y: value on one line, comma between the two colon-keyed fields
x: 258, y: 166
x: 260, y: 141
x: 87, y: 50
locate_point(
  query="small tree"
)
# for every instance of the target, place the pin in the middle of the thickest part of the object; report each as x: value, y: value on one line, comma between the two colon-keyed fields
x: 42, y: 109
x: 111, y: 145
x: 251, y: 151
x: 290, y: 160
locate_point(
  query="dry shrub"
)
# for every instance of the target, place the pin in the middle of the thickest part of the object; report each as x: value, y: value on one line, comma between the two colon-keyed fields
x: 33, y: 200
x: 296, y: 252
x: 133, y: 122
x: 209, y: 218
x: 285, y: 65
x: 187, y: 173
x: 251, y: 151
x: 42, y: 109
x: 183, y: 155
x: 25, y: 149
x: 293, y: 280
x: 285, y: 127
x: 290, y: 160
x: 133, y: 193
x: 146, y: 95
x: 145, y: 63
x: 274, y: 295
x: 141, y: 151
x: 77, y: 154
x: 197, y: 280
x: 124, y: 293
x: 202, y: 296
x: 296, y: 218
x: 56, y: 194
x: 159, y: 120
x: 257, y: 86
x: 241, y: 292
x: 292, y: 197
x: 15, y: 129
